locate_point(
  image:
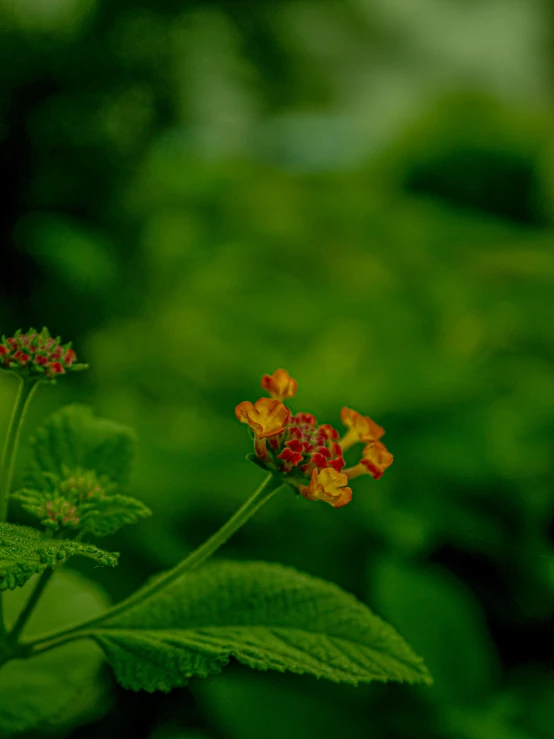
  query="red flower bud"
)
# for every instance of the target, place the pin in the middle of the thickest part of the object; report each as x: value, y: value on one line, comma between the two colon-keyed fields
x: 289, y: 456
x: 56, y: 368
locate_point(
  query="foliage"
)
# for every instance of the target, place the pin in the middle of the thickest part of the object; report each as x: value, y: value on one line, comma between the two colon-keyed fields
x: 74, y: 439
x: 180, y: 625
x: 25, y: 552
x: 54, y: 692
x: 266, y: 617
x: 363, y: 193
x: 83, y: 498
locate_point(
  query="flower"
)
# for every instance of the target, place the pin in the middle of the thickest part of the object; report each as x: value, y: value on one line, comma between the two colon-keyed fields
x: 309, y: 455
x: 360, y: 428
x: 280, y: 385
x: 375, y: 460
x: 328, y: 485
x: 38, y: 356
x: 266, y: 417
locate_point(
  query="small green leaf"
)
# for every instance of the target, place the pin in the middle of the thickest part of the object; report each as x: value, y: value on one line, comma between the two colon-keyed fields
x: 73, y: 438
x: 78, y: 466
x: 50, y: 694
x: 112, y: 512
x: 25, y: 552
x: 447, y: 626
x: 263, y: 615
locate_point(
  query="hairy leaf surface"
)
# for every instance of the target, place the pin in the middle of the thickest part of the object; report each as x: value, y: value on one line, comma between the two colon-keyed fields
x: 263, y: 615
x: 75, y: 438
x: 25, y: 552
x: 113, y: 512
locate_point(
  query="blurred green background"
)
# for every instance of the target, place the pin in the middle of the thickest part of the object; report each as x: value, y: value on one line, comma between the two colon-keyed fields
x: 361, y: 191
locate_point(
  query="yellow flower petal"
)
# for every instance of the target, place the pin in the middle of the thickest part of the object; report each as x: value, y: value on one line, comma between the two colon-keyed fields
x: 360, y: 428
x: 266, y: 417
x: 280, y: 384
x: 328, y: 485
x: 376, y: 458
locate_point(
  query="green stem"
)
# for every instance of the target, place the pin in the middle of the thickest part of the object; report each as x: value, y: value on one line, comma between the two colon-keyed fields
x: 25, y: 614
x: 266, y: 490
x: 24, y: 395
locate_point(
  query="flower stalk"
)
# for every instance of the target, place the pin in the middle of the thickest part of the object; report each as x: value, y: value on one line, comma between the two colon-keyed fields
x: 21, y: 405
x: 267, y: 489
x: 24, y: 394
x: 26, y: 613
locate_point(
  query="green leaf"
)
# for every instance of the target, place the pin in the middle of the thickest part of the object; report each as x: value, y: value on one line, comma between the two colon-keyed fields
x: 73, y: 438
x: 447, y: 626
x: 263, y: 615
x: 25, y: 552
x: 113, y: 512
x: 78, y: 465
x: 239, y: 704
x: 53, y: 692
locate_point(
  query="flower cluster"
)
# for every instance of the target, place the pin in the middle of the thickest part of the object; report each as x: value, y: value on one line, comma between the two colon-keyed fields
x: 310, y: 456
x: 57, y: 513
x: 80, y: 499
x: 36, y: 355
x: 65, y: 501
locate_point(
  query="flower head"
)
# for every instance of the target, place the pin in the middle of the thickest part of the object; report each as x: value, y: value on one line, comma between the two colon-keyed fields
x: 328, y: 485
x: 280, y: 384
x: 307, y: 454
x: 36, y: 355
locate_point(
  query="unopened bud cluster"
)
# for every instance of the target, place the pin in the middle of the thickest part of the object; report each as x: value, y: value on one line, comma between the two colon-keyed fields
x: 37, y: 355
x: 67, y: 501
x: 58, y: 512
x: 80, y: 499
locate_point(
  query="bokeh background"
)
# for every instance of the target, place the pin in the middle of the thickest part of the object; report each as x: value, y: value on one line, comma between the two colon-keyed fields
x: 361, y: 191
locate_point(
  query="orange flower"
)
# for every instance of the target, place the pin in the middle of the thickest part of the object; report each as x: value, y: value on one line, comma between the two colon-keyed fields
x: 360, y: 428
x: 329, y: 485
x: 280, y: 385
x: 306, y: 454
x: 375, y: 460
x: 266, y: 417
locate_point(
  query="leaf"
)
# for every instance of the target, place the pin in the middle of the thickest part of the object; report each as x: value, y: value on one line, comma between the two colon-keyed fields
x: 113, y: 512
x: 74, y: 438
x: 53, y: 692
x: 25, y: 552
x: 239, y: 704
x: 78, y: 462
x: 447, y: 626
x: 263, y: 615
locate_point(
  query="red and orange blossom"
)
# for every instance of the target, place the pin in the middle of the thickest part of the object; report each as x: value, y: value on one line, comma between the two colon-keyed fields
x: 310, y: 456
